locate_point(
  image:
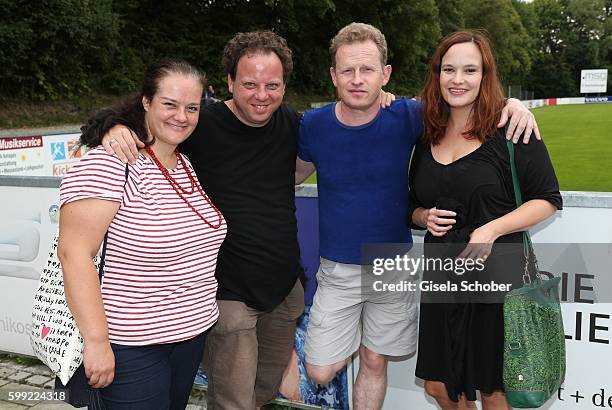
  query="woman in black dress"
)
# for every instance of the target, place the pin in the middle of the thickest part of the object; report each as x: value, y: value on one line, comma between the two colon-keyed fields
x: 462, y: 193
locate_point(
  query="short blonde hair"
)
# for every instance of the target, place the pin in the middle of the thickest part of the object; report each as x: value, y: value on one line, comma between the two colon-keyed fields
x: 358, y: 33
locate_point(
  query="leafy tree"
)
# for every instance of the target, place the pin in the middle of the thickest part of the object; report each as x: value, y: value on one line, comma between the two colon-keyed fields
x: 606, y: 43
x: 551, y: 75
x: 55, y: 48
x: 451, y: 15
x: 585, y: 33
x: 510, y: 39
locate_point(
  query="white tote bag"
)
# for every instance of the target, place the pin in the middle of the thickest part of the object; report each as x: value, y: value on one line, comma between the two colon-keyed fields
x: 55, y: 338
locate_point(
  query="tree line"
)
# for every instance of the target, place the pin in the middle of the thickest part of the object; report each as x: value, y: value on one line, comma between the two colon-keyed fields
x: 57, y: 49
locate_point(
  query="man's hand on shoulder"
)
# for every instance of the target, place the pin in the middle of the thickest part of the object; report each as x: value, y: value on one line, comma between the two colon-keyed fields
x: 522, y: 121
x: 123, y: 143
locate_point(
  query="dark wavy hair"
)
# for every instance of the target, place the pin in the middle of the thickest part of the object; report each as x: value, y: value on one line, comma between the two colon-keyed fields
x: 131, y: 111
x: 488, y: 104
x: 254, y: 42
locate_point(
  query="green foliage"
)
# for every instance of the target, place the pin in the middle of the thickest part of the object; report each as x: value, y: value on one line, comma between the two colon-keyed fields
x: 59, y: 49
x: 55, y: 49
x: 413, y: 31
x: 451, y: 15
x: 571, y: 35
x: 510, y: 39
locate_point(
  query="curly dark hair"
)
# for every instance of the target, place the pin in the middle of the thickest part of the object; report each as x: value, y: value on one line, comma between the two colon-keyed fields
x: 254, y: 42
x: 131, y: 112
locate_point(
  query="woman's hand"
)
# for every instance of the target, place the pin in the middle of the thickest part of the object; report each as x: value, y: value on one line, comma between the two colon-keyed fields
x: 99, y: 362
x: 480, y: 244
x: 437, y: 221
x: 386, y: 99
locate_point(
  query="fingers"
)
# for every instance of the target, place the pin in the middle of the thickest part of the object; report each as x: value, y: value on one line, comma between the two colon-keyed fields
x: 520, y: 128
x: 102, y: 379
x: 440, y: 221
x: 386, y: 99
x: 512, y: 124
x: 100, y: 375
x: 475, y: 251
x: 99, y: 362
x: 536, y: 130
x: 504, y: 118
x: 442, y: 212
x: 106, y: 143
x: 139, y: 143
x: 528, y: 130
x: 132, y: 142
x: 436, y: 230
x: 119, y: 151
x: 123, y: 143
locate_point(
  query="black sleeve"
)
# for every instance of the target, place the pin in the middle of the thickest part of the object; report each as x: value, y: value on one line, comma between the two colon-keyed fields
x: 417, y: 154
x: 536, y: 173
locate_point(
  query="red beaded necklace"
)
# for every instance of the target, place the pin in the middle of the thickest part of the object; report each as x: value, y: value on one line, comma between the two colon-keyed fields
x: 178, y: 189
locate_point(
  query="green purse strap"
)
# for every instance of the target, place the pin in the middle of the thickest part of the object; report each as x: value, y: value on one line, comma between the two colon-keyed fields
x: 528, y: 251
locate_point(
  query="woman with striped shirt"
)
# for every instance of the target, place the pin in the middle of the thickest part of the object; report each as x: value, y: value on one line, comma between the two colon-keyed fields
x: 144, y: 327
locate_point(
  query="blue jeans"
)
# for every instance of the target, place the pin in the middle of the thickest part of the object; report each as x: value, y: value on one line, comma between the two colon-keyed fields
x: 153, y: 377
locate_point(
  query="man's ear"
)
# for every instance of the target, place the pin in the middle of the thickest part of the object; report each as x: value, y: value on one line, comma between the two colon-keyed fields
x: 386, y: 74
x: 230, y: 84
x: 332, y: 72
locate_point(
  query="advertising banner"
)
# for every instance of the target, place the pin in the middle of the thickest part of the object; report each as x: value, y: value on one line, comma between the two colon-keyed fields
x: 597, y: 100
x: 594, y: 81
x: 44, y: 155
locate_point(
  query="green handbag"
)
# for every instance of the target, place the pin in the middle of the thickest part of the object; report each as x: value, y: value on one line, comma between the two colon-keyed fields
x: 534, y: 339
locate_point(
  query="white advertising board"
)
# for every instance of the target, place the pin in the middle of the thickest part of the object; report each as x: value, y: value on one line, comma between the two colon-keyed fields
x: 594, y: 81
x: 45, y: 155
x: 28, y: 221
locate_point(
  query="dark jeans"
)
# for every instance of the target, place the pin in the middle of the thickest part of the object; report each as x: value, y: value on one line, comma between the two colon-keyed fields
x: 153, y: 377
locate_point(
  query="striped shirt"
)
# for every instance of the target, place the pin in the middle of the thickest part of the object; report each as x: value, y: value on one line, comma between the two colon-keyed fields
x: 159, y: 284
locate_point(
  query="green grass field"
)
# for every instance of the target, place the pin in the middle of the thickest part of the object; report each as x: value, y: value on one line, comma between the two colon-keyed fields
x: 579, y: 141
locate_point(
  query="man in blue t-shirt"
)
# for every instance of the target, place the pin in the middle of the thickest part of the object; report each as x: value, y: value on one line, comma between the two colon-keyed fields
x: 361, y: 153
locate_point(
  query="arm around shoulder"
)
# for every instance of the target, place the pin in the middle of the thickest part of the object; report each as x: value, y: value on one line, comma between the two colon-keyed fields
x: 303, y: 170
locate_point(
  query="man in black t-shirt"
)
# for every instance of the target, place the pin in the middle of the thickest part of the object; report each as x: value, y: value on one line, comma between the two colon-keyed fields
x: 243, y: 151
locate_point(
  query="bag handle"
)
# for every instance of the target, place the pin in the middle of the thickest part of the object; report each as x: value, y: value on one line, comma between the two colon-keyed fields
x: 528, y: 251
x: 103, y: 253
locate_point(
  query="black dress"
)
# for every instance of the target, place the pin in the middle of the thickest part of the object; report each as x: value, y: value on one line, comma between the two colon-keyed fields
x: 461, y: 337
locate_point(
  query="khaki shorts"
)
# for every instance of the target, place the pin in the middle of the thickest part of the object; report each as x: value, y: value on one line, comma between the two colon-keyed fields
x: 345, y: 315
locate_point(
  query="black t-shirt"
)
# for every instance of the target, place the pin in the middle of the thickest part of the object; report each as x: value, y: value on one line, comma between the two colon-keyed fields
x: 249, y: 174
x: 478, y: 187
x: 479, y: 184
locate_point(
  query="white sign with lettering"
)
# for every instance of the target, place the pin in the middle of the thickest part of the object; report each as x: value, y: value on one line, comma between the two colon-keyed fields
x: 594, y: 81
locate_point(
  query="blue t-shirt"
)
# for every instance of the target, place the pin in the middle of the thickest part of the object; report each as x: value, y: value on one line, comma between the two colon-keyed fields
x: 362, y: 177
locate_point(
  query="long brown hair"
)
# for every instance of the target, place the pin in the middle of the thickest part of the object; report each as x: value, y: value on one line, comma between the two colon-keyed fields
x: 488, y: 104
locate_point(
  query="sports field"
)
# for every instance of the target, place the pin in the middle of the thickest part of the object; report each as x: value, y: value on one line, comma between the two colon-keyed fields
x: 579, y: 141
